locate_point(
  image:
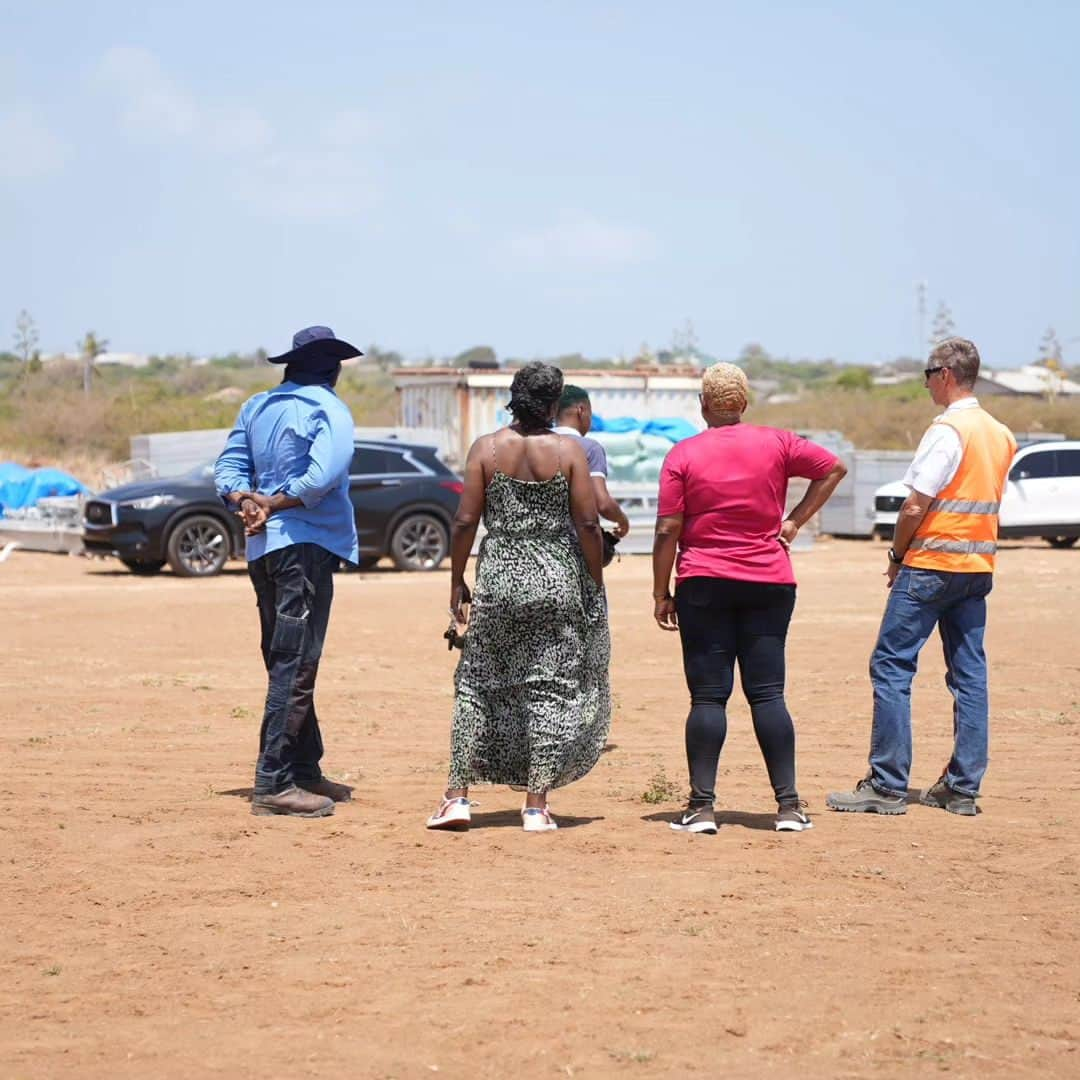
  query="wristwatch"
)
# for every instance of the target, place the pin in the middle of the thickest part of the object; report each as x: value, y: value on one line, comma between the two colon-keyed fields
x: 895, y: 559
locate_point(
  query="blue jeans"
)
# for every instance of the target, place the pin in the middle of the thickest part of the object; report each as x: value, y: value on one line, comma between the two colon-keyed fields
x: 918, y: 601
x: 294, y: 587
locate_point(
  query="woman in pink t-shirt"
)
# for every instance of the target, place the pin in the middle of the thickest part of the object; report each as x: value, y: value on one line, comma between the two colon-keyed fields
x: 722, y: 498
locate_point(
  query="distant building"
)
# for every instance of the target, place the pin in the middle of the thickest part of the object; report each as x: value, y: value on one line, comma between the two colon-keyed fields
x: 123, y: 359
x: 119, y: 359
x: 891, y: 377
x: 1032, y: 380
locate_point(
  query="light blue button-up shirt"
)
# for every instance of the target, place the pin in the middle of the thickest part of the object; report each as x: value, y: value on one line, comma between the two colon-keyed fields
x: 297, y: 440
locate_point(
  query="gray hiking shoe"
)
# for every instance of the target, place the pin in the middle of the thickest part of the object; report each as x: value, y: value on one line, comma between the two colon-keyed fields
x: 294, y: 802
x: 942, y: 797
x: 866, y: 799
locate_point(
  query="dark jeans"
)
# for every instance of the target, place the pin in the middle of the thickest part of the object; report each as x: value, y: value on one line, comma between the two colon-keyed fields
x: 294, y: 587
x: 721, y: 622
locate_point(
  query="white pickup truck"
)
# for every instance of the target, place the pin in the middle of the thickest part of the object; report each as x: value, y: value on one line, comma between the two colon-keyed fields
x: 1042, y: 496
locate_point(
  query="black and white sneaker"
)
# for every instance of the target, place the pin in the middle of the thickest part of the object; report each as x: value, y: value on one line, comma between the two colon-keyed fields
x: 700, y: 819
x: 792, y: 817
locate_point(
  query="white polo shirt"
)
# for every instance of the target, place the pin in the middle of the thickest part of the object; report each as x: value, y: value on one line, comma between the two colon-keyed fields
x: 939, y: 453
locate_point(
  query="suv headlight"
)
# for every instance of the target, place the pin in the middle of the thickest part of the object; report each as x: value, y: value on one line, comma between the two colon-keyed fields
x: 150, y: 502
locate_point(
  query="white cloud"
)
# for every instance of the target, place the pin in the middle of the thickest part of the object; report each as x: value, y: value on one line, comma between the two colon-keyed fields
x: 157, y: 108
x: 324, y: 174
x: 349, y: 127
x: 316, y: 185
x: 152, y: 104
x: 235, y: 129
x: 28, y: 149
x: 584, y: 240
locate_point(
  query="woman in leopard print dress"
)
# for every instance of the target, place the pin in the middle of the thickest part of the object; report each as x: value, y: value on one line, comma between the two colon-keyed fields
x: 532, y: 705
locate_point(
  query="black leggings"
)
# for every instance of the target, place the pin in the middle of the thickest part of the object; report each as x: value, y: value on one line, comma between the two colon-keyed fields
x: 721, y: 621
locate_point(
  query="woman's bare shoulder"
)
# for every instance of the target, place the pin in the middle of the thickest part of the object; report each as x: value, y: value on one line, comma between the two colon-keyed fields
x: 571, y: 449
x: 483, y: 442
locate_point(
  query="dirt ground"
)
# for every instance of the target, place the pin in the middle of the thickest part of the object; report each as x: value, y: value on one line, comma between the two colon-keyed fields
x: 156, y: 929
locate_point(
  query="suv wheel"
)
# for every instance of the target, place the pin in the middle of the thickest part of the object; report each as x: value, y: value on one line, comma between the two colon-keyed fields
x: 1061, y: 541
x: 198, y: 546
x: 144, y: 566
x: 419, y: 542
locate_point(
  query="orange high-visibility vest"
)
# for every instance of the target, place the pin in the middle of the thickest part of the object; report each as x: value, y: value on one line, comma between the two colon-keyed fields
x: 959, y: 532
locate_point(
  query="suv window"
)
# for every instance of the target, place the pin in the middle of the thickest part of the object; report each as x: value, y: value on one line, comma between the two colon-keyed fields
x: 429, y: 457
x: 367, y: 460
x: 397, y: 462
x: 1068, y: 462
x: 1038, y: 465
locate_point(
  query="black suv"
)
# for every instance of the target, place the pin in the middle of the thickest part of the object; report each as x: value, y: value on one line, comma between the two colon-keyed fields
x: 403, y: 495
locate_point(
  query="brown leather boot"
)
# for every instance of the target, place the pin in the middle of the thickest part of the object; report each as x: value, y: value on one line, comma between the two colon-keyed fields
x: 293, y: 801
x: 331, y: 790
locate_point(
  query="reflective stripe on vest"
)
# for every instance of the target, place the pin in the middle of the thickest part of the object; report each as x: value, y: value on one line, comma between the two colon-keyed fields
x: 960, y: 547
x: 964, y: 506
x: 959, y: 532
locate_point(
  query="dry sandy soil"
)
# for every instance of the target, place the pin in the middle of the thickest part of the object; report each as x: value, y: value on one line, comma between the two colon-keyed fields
x: 156, y: 929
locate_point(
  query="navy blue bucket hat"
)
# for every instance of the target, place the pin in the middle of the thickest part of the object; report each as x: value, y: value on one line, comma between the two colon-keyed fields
x: 315, y: 348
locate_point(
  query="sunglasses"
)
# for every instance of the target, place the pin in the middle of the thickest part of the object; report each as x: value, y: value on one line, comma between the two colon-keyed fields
x: 927, y: 372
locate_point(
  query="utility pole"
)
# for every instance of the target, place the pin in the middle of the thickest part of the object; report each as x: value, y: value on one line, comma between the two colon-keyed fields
x: 920, y: 311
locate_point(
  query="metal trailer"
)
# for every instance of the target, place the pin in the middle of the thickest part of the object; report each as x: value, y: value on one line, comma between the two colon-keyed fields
x: 53, y: 524
x: 468, y: 403
x: 850, y: 512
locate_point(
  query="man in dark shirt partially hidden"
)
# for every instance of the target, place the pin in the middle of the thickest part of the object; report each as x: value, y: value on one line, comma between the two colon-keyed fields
x: 575, y: 418
x: 285, y: 469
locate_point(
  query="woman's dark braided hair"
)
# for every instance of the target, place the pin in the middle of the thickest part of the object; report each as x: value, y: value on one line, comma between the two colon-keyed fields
x: 535, y: 389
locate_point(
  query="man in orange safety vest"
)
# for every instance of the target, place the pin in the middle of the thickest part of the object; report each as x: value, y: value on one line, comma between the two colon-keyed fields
x: 940, y: 571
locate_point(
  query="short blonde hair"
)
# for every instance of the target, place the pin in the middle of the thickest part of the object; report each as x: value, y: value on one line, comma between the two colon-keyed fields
x: 725, y: 389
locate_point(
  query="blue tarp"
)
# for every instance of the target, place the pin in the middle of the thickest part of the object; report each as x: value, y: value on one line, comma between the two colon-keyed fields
x: 618, y: 425
x: 21, y: 487
x: 672, y: 427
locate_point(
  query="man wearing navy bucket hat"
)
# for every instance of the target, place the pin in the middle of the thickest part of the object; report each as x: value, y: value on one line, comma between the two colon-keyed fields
x: 285, y: 470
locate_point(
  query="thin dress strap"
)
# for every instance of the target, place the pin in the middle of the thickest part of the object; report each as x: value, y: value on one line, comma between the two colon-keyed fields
x: 494, y: 457
x: 558, y: 452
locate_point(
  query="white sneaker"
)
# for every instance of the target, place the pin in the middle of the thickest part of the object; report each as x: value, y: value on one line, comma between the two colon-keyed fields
x: 452, y: 814
x: 537, y: 819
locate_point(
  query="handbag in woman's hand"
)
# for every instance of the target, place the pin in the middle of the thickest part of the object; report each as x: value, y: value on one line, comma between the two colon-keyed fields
x: 610, y: 540
x: 454, y: 640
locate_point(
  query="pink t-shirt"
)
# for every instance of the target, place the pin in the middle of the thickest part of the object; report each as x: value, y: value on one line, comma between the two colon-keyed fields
x: 730, y: 485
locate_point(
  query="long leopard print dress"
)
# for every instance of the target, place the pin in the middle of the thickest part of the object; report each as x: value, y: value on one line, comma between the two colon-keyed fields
x: 532, y: 705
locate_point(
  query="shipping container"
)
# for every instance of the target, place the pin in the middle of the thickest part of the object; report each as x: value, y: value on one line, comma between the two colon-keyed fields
x: 467, y: 404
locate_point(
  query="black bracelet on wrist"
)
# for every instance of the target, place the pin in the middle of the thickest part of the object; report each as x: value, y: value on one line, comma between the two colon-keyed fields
x: 895, y: 559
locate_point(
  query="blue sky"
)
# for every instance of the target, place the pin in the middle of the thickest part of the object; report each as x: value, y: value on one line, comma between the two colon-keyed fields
x: 544, y: 178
